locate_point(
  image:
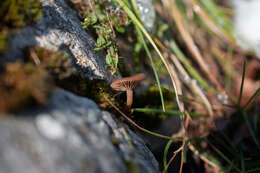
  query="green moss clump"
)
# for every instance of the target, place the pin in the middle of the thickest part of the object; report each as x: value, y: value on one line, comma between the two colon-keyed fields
x: 18, y: 13
x: 152, y: 100
x: 15, y: 14
x: 95, y: 89
x: 152, y: 96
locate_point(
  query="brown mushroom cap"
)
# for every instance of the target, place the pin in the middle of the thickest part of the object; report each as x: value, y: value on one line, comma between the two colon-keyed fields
x: 127, y: 83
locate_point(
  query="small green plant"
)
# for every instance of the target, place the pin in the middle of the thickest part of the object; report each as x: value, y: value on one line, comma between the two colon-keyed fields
x: 104, y: 17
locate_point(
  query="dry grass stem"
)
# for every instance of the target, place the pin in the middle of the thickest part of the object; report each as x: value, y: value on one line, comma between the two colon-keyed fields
x: 177, y: 17
x: 209, y: 22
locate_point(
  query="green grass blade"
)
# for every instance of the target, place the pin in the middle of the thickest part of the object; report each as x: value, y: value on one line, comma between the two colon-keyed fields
x: 136, y: 9
x: 218, y: 16
x: 223, y: 156
x: 139, y: 127
x: 242, y: 83
x: 167, y: 112
x: 254, y: 170
x: 251, y: 98
x: 165, y: 154
x: 228, y: 66
x: 153, y: 66
x: 149, y: 55
x: 251, y: 131
x: 230, y: 143
x: 141, y: 27
x: 231, y: 167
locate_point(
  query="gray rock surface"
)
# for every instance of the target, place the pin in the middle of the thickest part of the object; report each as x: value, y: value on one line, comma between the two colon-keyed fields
x: 71, y: 135
x: 147, y: 13
x: 60, y: 29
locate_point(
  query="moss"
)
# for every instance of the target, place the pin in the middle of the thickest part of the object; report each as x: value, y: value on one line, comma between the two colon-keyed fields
x: 15, y: 14
x: 58, y: 64
x: 132, y: 166
x: 31, y: 81
x: 18, y: 13
x: 95, y: 89
x: 21, y: 85
x: 152, y: 100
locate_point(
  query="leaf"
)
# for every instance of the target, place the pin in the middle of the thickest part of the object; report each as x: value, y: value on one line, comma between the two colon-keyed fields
x: 108, y: 59
x: 100, y: 41
x: 120, y: 29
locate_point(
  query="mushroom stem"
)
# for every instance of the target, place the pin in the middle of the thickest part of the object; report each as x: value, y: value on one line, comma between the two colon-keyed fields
x: 129, y: 97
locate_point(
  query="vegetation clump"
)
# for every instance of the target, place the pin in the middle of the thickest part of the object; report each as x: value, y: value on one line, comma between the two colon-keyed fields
x: 15, y: 14
x: 22, y: 84
x: 95, y: 89
x: 31, y: 81
x: 104, y: 17
x: 58, y: 64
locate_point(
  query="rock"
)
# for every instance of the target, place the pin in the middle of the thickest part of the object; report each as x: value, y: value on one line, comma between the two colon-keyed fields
x: 147, y: 13
x: 60, y: 29
x: 70, y: 135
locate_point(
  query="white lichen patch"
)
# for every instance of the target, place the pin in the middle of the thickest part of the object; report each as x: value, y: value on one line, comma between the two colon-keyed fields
x: 50, y: 127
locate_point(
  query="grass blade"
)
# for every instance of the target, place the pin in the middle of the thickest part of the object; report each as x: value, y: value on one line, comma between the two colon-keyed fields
x: 242, y: 83
x: 149, y: 54
x: 153, y: 65
x: 218, y: 16
x: 187, y: 65
x: 223, y: 156
x: 251, y: 98
x: 168, y: 112
x: 189, y: 41
x: 251, y: 131
x: 253, y: 170
x: 165, y: 154
x: 229, y: 168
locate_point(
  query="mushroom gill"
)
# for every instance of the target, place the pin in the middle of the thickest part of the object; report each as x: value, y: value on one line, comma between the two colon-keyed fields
x: 128, y: 84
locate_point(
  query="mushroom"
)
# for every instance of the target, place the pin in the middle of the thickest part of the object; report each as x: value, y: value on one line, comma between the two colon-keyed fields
x: 128, y: 84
